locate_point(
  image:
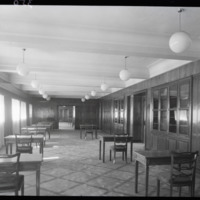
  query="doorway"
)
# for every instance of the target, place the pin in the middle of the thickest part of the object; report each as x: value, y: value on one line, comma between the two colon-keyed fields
x: 139, y: 122
x: 66, y: 117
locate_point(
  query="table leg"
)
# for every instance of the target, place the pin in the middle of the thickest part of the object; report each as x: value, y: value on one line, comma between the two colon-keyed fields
x: 136, y: 176
x: 38, y: 182
x: 49, y: 134
x: 146, y: 179
x: 103, y: 151
x: 131, y: 151
x: 6, y: 148
x: 10, y: 148
x: 99, y: 149
x: 41, y: 148
x: 96, y: 133
x: 80, y: 133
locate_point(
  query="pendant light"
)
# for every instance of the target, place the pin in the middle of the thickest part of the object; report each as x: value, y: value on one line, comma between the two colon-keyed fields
x: 83, y: 99
x: 44, y: 95
x: 93, y: 93
x: 22, y: 68
x: 124, y: 74
x: 35, y: 84
x: 180, y: 41
x: 41, y: 91
x: 87, y: 96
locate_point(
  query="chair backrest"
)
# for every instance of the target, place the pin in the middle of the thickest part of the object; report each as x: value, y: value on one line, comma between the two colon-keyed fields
x: 9, y: 164
x: 23, y: 141
x: 183, y: 166
x: 89, y: 128
x: 120, y: 139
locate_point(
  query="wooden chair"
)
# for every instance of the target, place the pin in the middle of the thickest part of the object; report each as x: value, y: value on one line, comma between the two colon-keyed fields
x: 10, y: 179
x: 182, y: 172
x: 89, y: 130
x: 24, y: 145
x: 120, y: 145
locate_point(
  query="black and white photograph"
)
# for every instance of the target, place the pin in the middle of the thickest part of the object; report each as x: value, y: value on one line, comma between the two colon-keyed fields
x: 99, y: 100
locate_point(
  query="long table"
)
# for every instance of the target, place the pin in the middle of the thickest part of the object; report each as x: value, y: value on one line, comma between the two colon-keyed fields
x: 110, y: 138
x: 47, y: 127
x: 150, y: 158
x: 10, y: 140
x: 35, y: 130
x: 86, y: 126
x: 30, y: 162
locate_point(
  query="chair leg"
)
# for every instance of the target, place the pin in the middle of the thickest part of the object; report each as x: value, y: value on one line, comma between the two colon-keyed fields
x: 22, y: 190
x: 158, y: 187
x: 171, y: 190
x: 126, y: 156
x: 110, y: 154
x: 180, y: 191
x: 114, y: 157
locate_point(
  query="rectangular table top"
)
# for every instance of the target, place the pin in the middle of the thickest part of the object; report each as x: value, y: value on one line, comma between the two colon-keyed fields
x: 25, y: 158
x: 153, y: 154
x: 24, y: 136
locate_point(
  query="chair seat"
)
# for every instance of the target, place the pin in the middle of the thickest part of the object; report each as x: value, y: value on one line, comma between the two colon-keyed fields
x: 118, y: 147
x: 24, y: 149
x: 8, y: 182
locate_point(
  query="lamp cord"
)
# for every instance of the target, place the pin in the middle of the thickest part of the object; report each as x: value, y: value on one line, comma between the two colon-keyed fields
x: 125, y: 61
x: 180, y: 11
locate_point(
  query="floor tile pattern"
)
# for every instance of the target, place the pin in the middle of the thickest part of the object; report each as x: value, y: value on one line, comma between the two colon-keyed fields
x: 71, y: 167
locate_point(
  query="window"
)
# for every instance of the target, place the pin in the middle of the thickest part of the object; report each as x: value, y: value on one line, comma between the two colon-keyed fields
x: 2, y: 119
x: 171, y: 107
x: 23, y: 115
x: 16, y: 115
x: 119, y: 111
x: 30, y: 113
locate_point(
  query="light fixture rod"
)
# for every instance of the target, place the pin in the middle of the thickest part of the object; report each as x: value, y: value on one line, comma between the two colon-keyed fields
x: 125, y: 61
x: 180, y: 11
x: 23, y: 54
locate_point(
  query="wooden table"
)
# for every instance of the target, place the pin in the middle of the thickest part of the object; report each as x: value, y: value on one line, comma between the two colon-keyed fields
x: 35, y: 130
x: 30, y: 162
x: 10, y: 140
x: 150, y: 158
x: 47, y: 127
x: 110, y: 138
x: 85, y: 126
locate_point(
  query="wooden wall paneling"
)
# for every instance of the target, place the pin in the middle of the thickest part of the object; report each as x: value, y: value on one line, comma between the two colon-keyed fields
x: 172, y: 144
x: 162, y: 143
x: 196, y: 117
x: 148, y: 135
x: 131, y: 114
x: 183, y: 145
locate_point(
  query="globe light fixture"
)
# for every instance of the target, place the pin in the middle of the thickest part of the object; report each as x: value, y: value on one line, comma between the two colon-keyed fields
x: 22, y: 68
x: 87, y: 96
x: 124, y: 74
x: 35, y: 83
x: 83, y: 99
x: 41, y: 91
x: 45, y: 96
x: 93, y: 93
x: 180, y: 41
x: 48, y: 98
x: 104, y: 86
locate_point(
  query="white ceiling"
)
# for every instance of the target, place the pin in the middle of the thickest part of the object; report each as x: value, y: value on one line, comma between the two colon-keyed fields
x: 71, y: 50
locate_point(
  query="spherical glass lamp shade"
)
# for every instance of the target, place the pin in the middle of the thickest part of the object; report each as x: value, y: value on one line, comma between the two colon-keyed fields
x: 104, y: 86
x: 22, y: 69
x: 83, y: 100
x: 124, y: 74
x: 41, y: 91
x: 48, y: 98
x: 93, y: 93
x: 179, y: 42
x: 44, y: 96
x: 87, y: 96
x: 35, y: 84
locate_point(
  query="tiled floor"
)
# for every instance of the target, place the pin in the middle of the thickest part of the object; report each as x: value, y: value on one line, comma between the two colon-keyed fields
x: 71, y: 167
